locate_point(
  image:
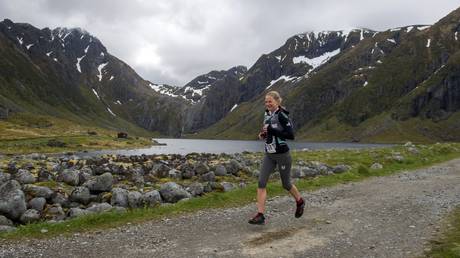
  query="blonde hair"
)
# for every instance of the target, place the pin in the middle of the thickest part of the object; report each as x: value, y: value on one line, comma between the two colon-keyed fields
x: 275, y: 95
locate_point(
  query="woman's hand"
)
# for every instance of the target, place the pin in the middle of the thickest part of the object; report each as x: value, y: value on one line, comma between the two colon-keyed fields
x: 263, y: 132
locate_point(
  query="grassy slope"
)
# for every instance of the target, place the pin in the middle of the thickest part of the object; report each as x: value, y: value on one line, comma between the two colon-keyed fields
x: 360, y: 160
x: 27, y: 133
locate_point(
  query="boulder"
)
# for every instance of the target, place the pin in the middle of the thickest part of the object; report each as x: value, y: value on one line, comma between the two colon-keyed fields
x: 4, y: 177
x: 100, y: 207
x: 77, y: 212
x: 37, y: 204
x: 172, y: 192
x: 45, y: 176
x: 4, y: 221
x: 69, y: 176
x: 210, y: 176
x: 30, y: 216
x: 195, y: 189
x: 152, y: 198
x: 80, y: 194
x: 119, y: 197
x: 102, y: 183
x: 12, y: 200
x: 25, y: 177
x: 296, y: 172
x: 174, y: 173
x: 38, y: 191
x: 135, y: 199
x: 340, y: 169
x: 6, y: 229
x: 54, y: 212
x: 227, y: 186
x: 376, y: 166
x: 233, y: 167
x: 220, y: 170
x: 201, y: 168
x: 160, y: 170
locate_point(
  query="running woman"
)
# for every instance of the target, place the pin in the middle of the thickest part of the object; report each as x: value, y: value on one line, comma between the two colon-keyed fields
x: 276, y: 130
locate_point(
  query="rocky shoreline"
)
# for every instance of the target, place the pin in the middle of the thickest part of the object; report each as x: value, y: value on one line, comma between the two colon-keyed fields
x: 55, y: 188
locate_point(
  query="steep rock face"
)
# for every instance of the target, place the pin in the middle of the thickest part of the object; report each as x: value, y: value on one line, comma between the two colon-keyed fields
x: 213, y: 95
x: 62, y: 71
x: 408, y: 72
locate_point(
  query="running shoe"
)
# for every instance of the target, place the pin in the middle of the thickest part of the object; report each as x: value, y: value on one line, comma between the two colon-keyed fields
x: 258, y: 219
x: 300, y: 207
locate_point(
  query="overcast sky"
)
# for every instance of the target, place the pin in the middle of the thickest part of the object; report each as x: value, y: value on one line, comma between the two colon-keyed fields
x: 173, y: 41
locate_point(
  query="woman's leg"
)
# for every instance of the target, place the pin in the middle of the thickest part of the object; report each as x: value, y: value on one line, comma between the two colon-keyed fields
x: 284, y: 166
x: 268, y: 165
x: 261, y: 198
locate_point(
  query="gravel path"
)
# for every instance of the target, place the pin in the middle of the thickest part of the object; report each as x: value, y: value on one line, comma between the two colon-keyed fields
x: 392, y: 216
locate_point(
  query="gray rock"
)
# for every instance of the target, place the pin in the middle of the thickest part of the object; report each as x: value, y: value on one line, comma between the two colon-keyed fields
x: 5, y: 229
x: 255, y: 173
x: 227, y: 186
x: 4, y: 221
x: 61, y: 199
x: 376, y: 166
x: 119, y: 209
x: 207, y: 188
x: 413, y: 150
x: 80, y: 194
x: 83, y: 177
x: 195, y: 189
x: 102, y: 183
x: 37, y: 203
x: 77, y: 212
x: 12, y: 200
x: 398, y: 158
x: 4, y: 177
x: 340, y: 169
x: 160, y: 170
x: 210, y: 176
x: 45, y: 176
x: 30, y: 216
x: 220, y: 170
x: 69, y: 176
x: 119, y: 197
x: 38, y: 191
x: 201, y: 168
x: 152, y: 198
x: 54, y: 212
x: 296, y: 172
x: 100, y: 207
x: 135, y: 199
x: 172, y: 192
x: 310, y: 172
x: 25, y: 177
x: 233, y: 167
x: 174, y: 173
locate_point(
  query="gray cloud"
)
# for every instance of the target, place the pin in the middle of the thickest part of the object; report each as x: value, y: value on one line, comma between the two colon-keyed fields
x: 172, y: 41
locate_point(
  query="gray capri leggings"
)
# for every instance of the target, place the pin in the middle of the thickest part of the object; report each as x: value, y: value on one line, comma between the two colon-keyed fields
x: 283, y: 160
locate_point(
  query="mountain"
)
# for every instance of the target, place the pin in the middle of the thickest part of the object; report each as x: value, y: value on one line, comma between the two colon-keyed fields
x: 393, y: 85
x: 68, y: 73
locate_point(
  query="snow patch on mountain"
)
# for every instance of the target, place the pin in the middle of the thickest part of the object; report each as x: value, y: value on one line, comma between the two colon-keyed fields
x: 317, y: 61
x: 110, y: 111
x: 428, y: 43
x: 282, y: 77
x: 95, y: 93
x: 78, y: 63
x: 99, y: 68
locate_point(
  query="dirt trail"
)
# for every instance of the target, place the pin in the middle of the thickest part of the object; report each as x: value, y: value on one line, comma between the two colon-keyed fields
x: 392, y: 216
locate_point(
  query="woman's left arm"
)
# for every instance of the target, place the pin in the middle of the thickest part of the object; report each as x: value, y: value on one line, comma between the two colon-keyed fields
x: 286, y: 132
